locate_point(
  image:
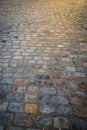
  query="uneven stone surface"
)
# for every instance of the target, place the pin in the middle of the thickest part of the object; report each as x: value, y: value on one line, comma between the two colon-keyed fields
x: 31, y: 108
x: 6, y: 118
x: 43, y: 64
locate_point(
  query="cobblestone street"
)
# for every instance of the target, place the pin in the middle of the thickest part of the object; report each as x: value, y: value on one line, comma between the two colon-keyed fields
x: 43, y: 64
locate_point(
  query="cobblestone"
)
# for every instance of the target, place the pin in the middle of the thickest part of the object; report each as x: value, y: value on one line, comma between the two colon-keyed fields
x: 5, y: 118
x: 5, y: 88
x: 3, y: 106
x: 61, y: 122
x: 43, y: 64
x: 2, y: 95
x: 24, y: 120
x: 49, y: 90
x: 65, y: 110
x: 31, y: 108
x: 43, y: 77
x: 46, y: 109
x: 43, y: 121
x: 60, y: 100
x: 14, y: 96
x: 15, y: 107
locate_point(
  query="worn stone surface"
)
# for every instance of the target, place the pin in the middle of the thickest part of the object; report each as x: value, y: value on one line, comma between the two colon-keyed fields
x: 60, y: 100
x: 49, y: 90
x: 15, y: 107
x: 31, y: 108
x: 61, y: 122
x: 78, y: 123
x: 46, y: 109
x: 43, y: 121
x: 31, y: 98
x: 2, y: 95
x: 43, y: 64
x: 5, y: 118
x: 65, y: 110
x: 33, y: 90
x: 14, y: 96
x: 24, y: 120
x: 3, y: 106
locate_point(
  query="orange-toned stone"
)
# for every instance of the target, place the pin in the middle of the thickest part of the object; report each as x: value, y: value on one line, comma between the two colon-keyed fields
x: 20, y: 82
x: 31, y: 108
x: 39, y: 45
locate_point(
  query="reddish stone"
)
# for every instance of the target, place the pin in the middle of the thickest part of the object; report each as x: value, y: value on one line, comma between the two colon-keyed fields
x: 31, y: 108
x: 20, y: 82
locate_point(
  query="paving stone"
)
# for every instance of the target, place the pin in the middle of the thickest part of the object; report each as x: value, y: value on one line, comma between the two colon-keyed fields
x: 36, y: 66
x: 43, y: 63
x: 7, y: 75
x: 60, y: 100
x: 80, y: 111
x: 42, y: 71
x: 17, y: 57
x: 80, y: 93
x: 72, y: 69
x: 5, y: 118
x: 19, y: 71
x: 31, y: 98
x: 20, y: 89
x: 82, y: 69
x: 6, y: 88
x: 3, y: 106
x: 65, y: 110
x: 2, y: 95
x: 76, y: 101
x: 72, y: 85
x: 21, y: 82
x: 24, y: 120
x: 15, y: 107
x: 46, y: 77
x: 43, y: 121
x: 79, y: 75
x: 37, y: 58
x: 14, y: 96
x: 66, y: 59
x: 6, y: 81
x: 48, y: 90
x: 61, y: 122
x: 44, y: 99
x: 31, y: 108
x: 46, y: 109
x: 33, y: 90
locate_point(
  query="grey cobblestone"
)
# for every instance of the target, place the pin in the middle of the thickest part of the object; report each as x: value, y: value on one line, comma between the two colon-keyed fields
x: 3, y: 106
x: 46, y: 109
x: 45, y: 90
x: 15, y: 107
x: 6, y: 118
